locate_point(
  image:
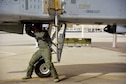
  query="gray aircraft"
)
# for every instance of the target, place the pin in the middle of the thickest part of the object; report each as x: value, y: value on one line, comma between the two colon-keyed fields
x: 16, y: 15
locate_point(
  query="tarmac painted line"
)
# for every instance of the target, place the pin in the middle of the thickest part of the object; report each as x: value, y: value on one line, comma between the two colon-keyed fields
x: 98, y: 77
x: 103, y: 75
x: 112, y: 76
x: 6, y: 54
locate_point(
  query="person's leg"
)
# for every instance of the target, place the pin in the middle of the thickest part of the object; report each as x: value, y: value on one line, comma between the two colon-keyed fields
x: 29, y: 72
x: 53, y: 72
x: 48, y: 59
x: 36, y: 56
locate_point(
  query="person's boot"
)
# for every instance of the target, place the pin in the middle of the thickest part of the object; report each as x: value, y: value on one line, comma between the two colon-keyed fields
x: 56, y: 80
x: 26, y: 77
x: 29, y: 72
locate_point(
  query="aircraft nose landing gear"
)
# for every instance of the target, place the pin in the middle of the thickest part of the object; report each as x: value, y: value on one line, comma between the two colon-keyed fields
x: 42, y: 69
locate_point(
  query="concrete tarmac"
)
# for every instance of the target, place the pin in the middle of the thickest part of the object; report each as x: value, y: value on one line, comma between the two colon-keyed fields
x: 98, y: 64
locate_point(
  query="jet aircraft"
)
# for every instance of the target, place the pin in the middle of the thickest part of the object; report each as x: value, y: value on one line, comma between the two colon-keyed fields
x: 18, y: 15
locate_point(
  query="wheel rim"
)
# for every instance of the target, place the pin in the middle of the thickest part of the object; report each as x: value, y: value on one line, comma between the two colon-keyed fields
x: 44, y: 68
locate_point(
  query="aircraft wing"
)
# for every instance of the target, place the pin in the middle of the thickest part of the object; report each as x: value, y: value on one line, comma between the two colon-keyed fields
x: 15, y: 13
x: 95, y: 11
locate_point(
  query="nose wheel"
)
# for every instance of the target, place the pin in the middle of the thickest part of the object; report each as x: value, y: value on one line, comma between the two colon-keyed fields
x: 42, y: 69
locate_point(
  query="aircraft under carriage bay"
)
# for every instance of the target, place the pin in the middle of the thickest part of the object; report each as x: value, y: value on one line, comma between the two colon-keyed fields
x: 15, y: 13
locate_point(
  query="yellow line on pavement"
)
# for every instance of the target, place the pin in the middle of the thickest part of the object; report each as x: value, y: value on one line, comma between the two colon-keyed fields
x: 20, y: 79
x: 63, y: 76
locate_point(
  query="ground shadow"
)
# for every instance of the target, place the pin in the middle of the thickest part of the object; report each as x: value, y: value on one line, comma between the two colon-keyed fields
x: 105, y: 68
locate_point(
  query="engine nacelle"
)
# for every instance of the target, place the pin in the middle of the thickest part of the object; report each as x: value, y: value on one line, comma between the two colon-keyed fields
x: 12, y: 28
x: 115, y: 29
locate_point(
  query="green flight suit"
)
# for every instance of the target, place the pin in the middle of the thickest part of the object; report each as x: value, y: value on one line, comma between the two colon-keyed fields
x: 45, y: 51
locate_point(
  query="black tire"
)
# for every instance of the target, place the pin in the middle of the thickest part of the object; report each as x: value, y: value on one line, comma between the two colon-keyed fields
x: 42, y: 69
